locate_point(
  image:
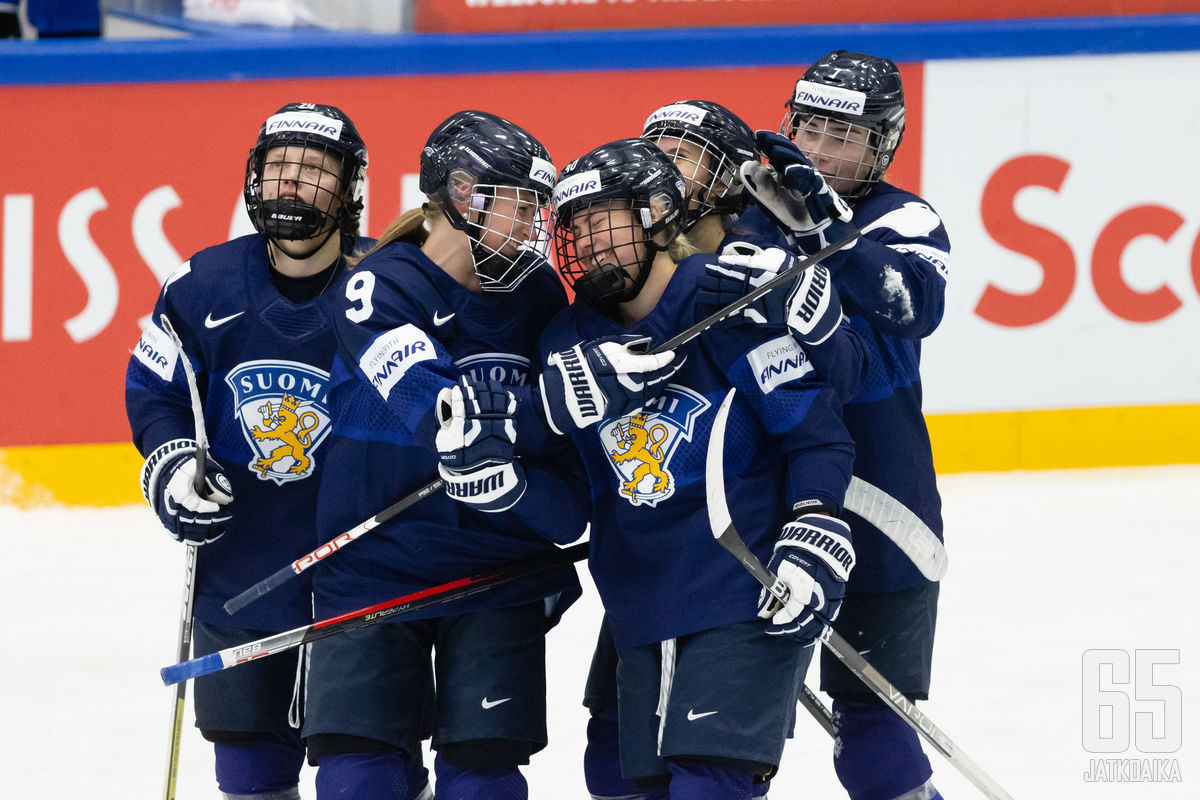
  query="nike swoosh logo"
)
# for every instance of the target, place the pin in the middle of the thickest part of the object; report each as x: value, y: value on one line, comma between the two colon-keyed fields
x: 493, y: 703
x: 209, y: 322
x: 693, y: 716
x: 439, y: 320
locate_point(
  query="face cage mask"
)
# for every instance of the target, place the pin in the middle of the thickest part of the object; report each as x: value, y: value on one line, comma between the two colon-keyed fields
x: 600, y: 272
x: 509, y: 231
x: 307, y: 189
x: 853, y: 175
x: 703, y: 196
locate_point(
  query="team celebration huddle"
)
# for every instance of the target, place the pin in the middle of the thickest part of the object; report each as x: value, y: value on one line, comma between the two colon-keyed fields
x: 690, y: 356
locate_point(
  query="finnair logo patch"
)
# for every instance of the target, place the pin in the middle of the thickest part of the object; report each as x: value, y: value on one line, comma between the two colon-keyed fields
x: 305, y: 122
x: 679, y: 112
x: 542, y: 171
x: 830, y: 98
x: 392, y: 354
x: 778, y: 361
x: 576, y: 186
x: 156, y: 350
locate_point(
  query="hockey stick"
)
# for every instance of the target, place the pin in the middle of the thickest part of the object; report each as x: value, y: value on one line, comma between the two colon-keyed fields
x: 189, y: 578
x: 380, y: 612
x: 814, y: 706
x: 727, y: 536
x: 284, y: 574
x: 745, y: 300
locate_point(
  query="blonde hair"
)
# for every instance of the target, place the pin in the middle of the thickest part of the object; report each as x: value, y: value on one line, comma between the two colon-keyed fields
x: 412, y: 226
x: 681, y: 247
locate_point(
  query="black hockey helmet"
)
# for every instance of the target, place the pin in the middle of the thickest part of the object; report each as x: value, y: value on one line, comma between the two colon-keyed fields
x: 314, y: 129
x: 466, y: 162
x: 859, y: 90
x: 725, y: 141
x: 642, y: 185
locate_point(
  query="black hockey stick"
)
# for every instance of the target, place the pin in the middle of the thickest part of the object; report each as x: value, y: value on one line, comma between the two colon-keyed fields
x: 789, y: 274
x: 380, y: 612
x: 184, y: 640
x: 727, y: 536
x: 285, y: 574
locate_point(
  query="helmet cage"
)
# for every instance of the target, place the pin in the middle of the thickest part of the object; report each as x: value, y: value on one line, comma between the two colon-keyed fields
x: 305, y: 173
x: 606, y: 259
x: 860, y: 153
x: 509, y: 229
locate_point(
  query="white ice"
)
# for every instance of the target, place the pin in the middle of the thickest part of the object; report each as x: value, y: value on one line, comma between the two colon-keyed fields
x: 1043, y: 567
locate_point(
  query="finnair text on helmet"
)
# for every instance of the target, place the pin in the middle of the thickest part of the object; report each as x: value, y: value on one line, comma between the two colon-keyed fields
x: 542, y: 171
x: 576, y: 185
x: 301, y: 122
x: 677, y: 113
x: 830, y: 98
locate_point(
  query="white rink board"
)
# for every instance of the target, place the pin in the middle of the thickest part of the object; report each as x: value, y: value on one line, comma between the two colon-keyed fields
x: 1125, y: 129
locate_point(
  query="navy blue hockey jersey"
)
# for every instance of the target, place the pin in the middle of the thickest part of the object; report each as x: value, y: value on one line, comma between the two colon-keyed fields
x: 407, y: 329
x: 892, y: 285
x: 659, y: 570
x: 262, y: 364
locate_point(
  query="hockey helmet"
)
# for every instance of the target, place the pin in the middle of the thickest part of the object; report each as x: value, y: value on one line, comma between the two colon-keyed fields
x: 310, y: 131
x: 860, y: 91
x: 492, y: 180
x: 614, y: 210
x: 725, y: 142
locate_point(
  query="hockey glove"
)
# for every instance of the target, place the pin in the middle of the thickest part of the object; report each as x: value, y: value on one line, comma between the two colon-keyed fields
x: 475, y: 441
x: 810, y: 306
x: 168, y: 484
x: 793, y: 191
x: 602, y: 379
x: 813, y: 557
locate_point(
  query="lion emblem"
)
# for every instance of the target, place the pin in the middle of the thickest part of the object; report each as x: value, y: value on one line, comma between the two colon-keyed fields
x: 636, y: 443
x: 292, y: 429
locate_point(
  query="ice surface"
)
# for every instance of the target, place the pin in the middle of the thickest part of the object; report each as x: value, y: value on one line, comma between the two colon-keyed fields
x: 1043, y: 566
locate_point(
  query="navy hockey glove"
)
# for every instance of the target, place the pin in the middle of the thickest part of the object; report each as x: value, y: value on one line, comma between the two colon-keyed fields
x: 475, y: 441
x: 168, y: 484
x: 813, y: 557
x: 602, y: 379
x: 810, y: 306
x: 793, y: 191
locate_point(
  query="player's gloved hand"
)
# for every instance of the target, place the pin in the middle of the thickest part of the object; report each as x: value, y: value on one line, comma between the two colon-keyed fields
x: 813, y: 556
x: 809, y: 306
x: 603, y: 379
x: 169, y: 486
x: 793, y: 191
x: 475, y: 441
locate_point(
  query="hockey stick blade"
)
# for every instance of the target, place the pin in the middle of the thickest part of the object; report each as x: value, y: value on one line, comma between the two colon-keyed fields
x: 387, y: 610
x: 286, y: 573
x: 729, y: 538
x: 745, y: 300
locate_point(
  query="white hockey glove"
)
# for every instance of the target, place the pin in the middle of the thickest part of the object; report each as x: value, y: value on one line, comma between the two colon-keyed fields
x: 602, y: 379
x: 810, y: 306
x: 168, y: 484
x: 793, y: 191
x: 813, y: 556
x: 476, y: 440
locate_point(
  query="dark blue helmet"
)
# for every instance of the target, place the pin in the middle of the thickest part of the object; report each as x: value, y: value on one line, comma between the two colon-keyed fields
x: 725, y: 142
x: 858, y: 90
x: 315, y: 194
x: 472, y: 160
x: 614, y: 210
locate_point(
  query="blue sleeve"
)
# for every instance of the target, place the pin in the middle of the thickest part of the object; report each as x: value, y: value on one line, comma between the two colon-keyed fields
x: 157, y: 399
x: 895, y: 276
x: 841, y: 360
